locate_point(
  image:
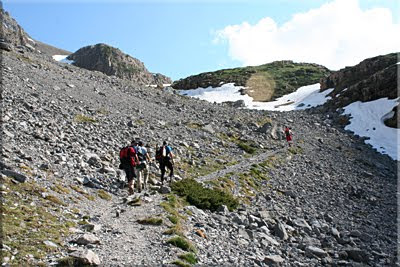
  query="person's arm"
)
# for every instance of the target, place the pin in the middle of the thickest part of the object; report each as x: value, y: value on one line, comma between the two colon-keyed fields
x: 171, y: 155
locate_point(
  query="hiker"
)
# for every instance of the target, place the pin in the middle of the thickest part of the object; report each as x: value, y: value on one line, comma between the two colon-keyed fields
x: 288, y: 135
x: 129, y: 160
x: 165, y: 157
x: 142, y: 168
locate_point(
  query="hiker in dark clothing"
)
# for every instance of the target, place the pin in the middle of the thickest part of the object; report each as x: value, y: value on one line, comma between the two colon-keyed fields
x: 165, y: 158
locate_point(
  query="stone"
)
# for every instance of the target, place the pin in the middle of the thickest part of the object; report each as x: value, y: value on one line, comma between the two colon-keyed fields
x: 17, y: 176
x: 86, y: 257
x: 50, y: 244
x: 357, y: 254
x: 311, y: 250
x: 223, y: 209
x: 87, y: 239
x: 164, y: 190
x: 301, y: 223
x: 273, y: 260
x: 280, y: 231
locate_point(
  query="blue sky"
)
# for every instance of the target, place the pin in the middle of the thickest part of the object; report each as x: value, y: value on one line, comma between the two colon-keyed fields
x: 181, y: 37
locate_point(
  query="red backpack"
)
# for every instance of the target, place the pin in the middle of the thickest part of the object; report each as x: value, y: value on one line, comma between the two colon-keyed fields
x: 126, y: 157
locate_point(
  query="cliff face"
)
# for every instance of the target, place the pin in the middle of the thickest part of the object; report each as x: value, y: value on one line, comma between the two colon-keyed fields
x: 112, y: 61
x: 371, y: 79
x: 13, y: 37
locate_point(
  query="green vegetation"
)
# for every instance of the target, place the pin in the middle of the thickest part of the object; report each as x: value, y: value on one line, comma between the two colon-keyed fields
x: 183, y: 243
x: 80, y: 118
x: 55, y: 200
x: 181, y: 263
x: 295, y: 150
x: 28, y: 220
x: 81, y: 191
x: 247, y: 147
x: 60, y: 189
x: 104, y: 195
x: 171, y: 205
x: 189, y: 257
x: 204, y: 198
x: 268, y: 81
x: 151, y: 221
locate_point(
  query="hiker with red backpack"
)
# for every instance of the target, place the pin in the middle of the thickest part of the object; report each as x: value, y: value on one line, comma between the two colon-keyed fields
x: 288, y: 135
x: 129, y: 160
x: 165, y: 158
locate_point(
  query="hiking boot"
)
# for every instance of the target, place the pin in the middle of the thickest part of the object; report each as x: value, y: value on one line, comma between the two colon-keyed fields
x: 130, y: 191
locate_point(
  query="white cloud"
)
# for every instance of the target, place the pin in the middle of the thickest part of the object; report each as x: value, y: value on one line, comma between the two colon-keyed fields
x: 336, y: 35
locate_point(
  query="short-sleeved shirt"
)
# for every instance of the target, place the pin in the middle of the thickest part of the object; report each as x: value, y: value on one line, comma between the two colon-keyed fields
x: 142, y: 150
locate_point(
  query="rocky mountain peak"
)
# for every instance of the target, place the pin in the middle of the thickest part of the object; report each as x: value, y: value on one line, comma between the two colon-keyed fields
x: 371, y: 79
x: 113, y: 62
x: 13, y: 33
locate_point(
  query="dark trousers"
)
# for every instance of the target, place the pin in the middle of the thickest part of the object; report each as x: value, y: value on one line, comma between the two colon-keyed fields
x: 168, y: 164
x: 130, y: 172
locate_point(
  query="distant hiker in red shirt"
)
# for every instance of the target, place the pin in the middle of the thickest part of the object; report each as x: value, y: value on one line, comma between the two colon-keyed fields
x: 289, y: 135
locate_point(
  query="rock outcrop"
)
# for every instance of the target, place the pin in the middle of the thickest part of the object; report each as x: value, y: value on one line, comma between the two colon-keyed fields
x: 371, y: 79
x: 13, y: 36
x: 113, y: 62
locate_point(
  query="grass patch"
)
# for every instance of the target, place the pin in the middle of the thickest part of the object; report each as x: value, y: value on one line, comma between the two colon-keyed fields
x: 181, y: 263
x: 173, y: 219
x: 295, y: 150
x: 60, y: 189
x: 55, y: 200
x: 70, y: 262
x: 171, y: 205
x: 182, y: 243
x: 151, y: 221
x: 189, y: 257
x: 25, y: 226
x: 204, y: 198
x: 247, y: 147
x: 80, y: 118
x: 104, y: 195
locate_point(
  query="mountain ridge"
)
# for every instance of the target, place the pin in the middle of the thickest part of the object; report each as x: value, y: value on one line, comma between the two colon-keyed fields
x: 264, y: 82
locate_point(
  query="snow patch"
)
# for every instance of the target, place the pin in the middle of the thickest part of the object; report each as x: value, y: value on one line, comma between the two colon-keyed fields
x: 303, y: 98
x: 224, y: 93
x: 367, y: 120
x: 62, y: 59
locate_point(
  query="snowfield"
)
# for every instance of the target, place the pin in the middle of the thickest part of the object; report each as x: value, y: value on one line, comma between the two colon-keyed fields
x: 62, y: 58
x: 366, y: 118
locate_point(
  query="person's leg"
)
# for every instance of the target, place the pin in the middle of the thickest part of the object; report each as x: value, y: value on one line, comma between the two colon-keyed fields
x: 171, y: 170
x: 145, y: 176
x: 162, y: 168
x: 129, y: 176
x: 139, y: 180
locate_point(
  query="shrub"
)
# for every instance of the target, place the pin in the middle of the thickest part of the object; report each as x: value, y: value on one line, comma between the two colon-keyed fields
x: 151, y: 221
x: 204, y: 198
x: 246, y: 147
x: 104, y: 195
x: 181, y: 242
x: 82, y: 118
x: 189, y: 257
